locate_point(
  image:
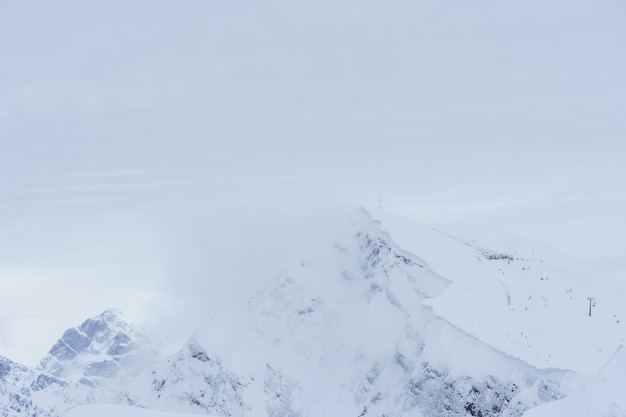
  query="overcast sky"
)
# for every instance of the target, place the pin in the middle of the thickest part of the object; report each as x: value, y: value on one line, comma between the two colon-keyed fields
x: 147, y: 145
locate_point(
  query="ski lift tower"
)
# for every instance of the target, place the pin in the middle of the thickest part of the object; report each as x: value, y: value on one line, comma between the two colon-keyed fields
x: 591, y: 300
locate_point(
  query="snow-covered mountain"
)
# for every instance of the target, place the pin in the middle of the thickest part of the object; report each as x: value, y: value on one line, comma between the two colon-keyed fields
x: 27, y: 392
x: 103, y: 350
x: 352, y: 330
x: 90, y: 363
x: 386, y: 318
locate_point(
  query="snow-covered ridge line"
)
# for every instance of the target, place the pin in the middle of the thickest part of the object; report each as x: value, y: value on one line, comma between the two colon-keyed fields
x: 363, y: 303
x: 547, y: 304
x: 489, y: 255
x: 380, y: 319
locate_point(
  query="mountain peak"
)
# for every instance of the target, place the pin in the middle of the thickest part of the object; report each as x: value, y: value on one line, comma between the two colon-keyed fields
x: 113, y: 314
x: 101, y: 348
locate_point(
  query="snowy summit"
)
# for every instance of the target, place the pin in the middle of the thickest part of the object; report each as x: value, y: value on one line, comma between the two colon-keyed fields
x: 385, y: 318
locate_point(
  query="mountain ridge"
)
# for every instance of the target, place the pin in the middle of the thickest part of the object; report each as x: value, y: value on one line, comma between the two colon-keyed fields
x: 384, y: 318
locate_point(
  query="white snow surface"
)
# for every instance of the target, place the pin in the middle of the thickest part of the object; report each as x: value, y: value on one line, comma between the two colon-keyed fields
x: 356, y: 326
x: 104, y: 410
x: 533, y: 307
x: 602, y: 395
x: 381, y: 317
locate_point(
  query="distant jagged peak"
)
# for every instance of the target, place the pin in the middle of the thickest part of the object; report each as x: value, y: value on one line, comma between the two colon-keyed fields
x: 104, y: 324
x: 113, y: 315
x: 92, y: 335
x: 103, y: 347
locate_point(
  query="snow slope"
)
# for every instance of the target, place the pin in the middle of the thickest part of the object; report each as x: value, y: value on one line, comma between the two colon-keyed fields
x: 101, y: 410
x: 382, y: 317
x: 26, y: 392
x: 363, y: 326
x: 531, y: 305
x: 603, y: 395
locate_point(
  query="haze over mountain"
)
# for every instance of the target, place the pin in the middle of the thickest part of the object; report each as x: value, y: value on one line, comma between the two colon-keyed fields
x: 131, y: 132
x: 165, y: 159
x: 381, y: 317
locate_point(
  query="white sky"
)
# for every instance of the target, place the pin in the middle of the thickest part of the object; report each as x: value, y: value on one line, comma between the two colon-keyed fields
x: 146, y: 145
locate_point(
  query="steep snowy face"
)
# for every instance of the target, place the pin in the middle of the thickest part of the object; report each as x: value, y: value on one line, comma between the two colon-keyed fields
x: 532, y: 303
x: 601, y: 395
x: 347, y: 331
x: 103, y: 350
x: 192, y: 380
